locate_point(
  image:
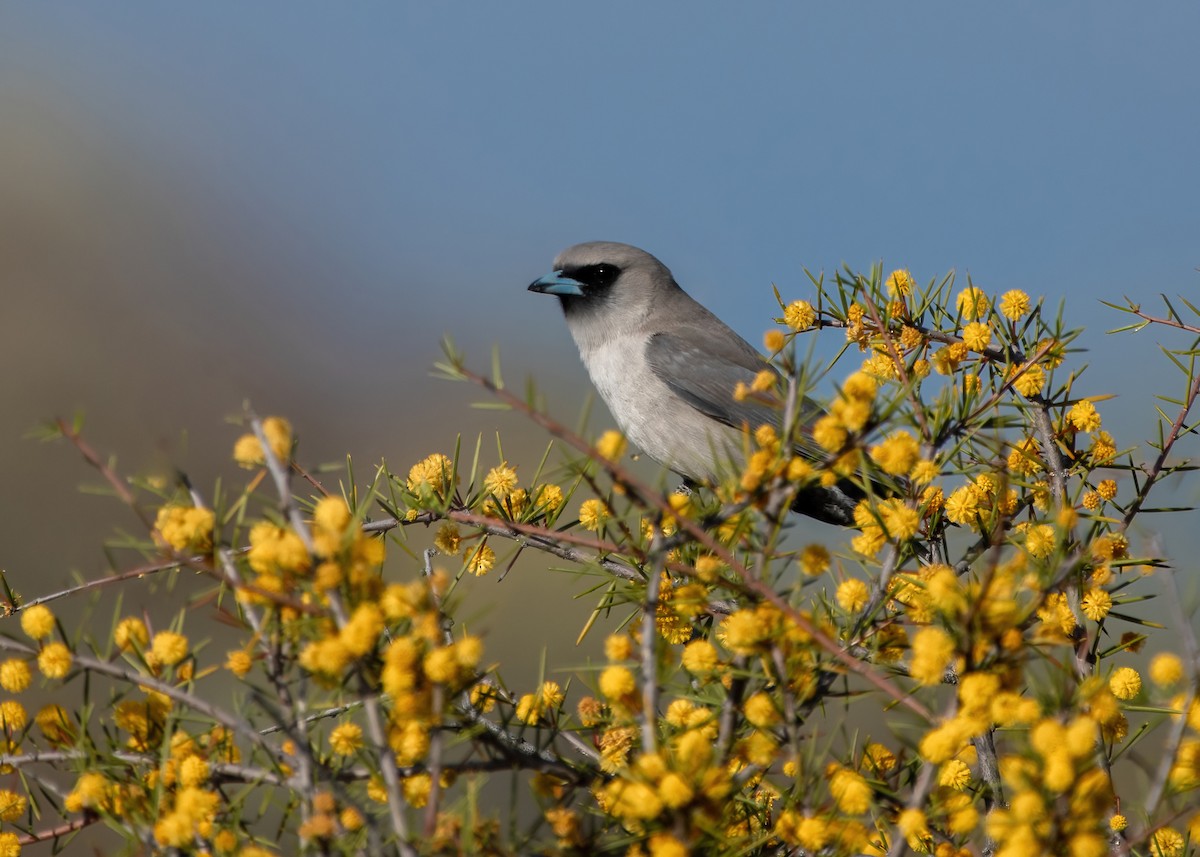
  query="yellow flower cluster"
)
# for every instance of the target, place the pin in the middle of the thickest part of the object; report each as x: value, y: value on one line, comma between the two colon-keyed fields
x: 37, y: 621
x: 684, y: 776
x: 593, y: 514
x: 186, y: 528
x: 1060, y: 802
x: 611, y: 445
x: 891, y: 519
x: 897, y: 454
x: 533, y: 707
x: 799, y: 315
x: 507, y: 499
x: 432, y: 478
x: 972, y: 504
x: 248, y: 450
x: 849, y: 412
x: 678, y: 607
x: 900, y: 283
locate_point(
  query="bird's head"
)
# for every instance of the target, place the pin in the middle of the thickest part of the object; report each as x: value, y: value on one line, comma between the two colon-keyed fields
x: 592, y: 276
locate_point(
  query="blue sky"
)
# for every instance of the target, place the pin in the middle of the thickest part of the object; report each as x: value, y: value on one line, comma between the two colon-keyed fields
x: 293, y: 202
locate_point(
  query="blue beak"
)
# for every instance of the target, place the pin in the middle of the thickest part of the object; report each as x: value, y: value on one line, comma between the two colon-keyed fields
x: 557, y: 284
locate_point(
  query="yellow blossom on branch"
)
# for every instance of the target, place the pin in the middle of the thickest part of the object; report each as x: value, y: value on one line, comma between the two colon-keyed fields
x: 900, y: 283
x: 1029, y: 380
x: 611, y: 445
x: 346, y: 739
x: 593, y: 514
x: 1083, y: 416
x: 186, y: 528
x: 500, y: 481
x: 1096, y: 603
x: 1013, y: 304
x: 977, y: 336
x: 54, y: 660
x: 433, y: 475
x: 932, y: 651
x: 481, y: 560
x: 972, y: 303
x: 897, y: 454
x: 1125, y: 683
x: 37, y: 621
x: 169, y: 648
x: 852, y: 595
x: 799, y: 315
x: 1166, y: 668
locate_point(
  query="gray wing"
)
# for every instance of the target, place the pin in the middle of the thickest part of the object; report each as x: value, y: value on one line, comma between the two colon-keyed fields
x: 705, y: 378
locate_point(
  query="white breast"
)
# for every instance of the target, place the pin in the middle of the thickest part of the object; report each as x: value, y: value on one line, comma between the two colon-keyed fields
x: 653, y: 418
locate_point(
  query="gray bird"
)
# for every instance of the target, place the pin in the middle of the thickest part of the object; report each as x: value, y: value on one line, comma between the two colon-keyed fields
x: 667, y: 367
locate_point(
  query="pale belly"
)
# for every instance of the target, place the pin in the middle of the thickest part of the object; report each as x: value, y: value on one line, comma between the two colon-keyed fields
x: 654, y: 419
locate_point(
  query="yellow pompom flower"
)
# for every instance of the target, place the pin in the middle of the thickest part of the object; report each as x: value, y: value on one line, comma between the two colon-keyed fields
x: 1166, y: 669
x: 278, y: 432
x: 912, y: 824
x: 1096, y: 603
x: 1125, y: 683
x: 501, y: 481
x: 972, y: 303
x: 37, y: 621
x: 15, y: 675
x: 799, y: 315
x: 964, y: 505
x: 345, y: 739
x: 618, y: 647
x: 239, y: 662
x: 852, y: 595
x: 169, y: 648
x: 611, y: 445
x: 897, y: 454
x: 481, y: 560
x: 617, y: 682
x: 954, y: 774
x: 13, y: 716
x: 849, y: 789
x: 331, y: 515
x: 131, y: 633
x: 1040, y: 540
x: 248, y: 452
x: 1084, y: 416
x: 1014, y: 303
x: 773, y: 341
x: 1166, y: 842
x: 977, y: 336
x: 186, y: 527
x: 1030, y: 380
x: 760, y: 711
x: 54, y: 660
x: 12, y: 805
x: 900, y: 283
x: 932, y: 650
x: 433, y: 474
x: 829, y: 433
x: 274, y: 548
x: 814, y: 560
x: 361, y: 632
x: 447, y: 540
x: 593, y: 514
x: 700, y: 657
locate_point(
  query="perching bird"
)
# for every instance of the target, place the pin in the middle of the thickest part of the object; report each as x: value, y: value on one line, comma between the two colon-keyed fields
x: 667, y: 367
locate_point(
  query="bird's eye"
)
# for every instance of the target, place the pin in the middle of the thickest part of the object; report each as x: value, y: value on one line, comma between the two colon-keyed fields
x: 597, y: 276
